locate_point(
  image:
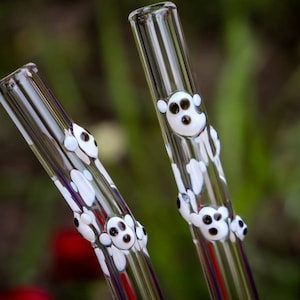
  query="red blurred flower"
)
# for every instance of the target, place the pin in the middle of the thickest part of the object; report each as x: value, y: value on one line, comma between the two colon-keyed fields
x: 73, y: 257
x: 25, y: 293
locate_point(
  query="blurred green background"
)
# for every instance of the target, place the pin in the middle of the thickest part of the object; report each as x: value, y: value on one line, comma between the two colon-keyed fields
x: 246, y: 59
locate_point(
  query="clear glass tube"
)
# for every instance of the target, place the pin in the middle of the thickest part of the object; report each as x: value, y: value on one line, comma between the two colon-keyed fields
x: 69, y: 154
x: 193, y: 148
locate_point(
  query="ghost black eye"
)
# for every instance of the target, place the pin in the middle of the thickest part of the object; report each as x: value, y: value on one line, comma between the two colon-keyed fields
x: 174, y: 108
x: 126, y: 238
x: 122, y: 226
x: 185, y: 104
x: 186, y: 120
x: 217, y: 216
x: 207, y: 219
x: 113, y: 231
x: 213, y: 231
x: 144, y: 231
x: 76, y: 222
x: 84, y: 136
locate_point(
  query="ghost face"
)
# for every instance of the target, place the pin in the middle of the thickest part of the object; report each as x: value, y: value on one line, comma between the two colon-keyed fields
x: 86, y: 141
x: 239, y: 227
x: 212, y: 222
x: 182, y: 113
x: 80, y: 141
x: 121, y: 235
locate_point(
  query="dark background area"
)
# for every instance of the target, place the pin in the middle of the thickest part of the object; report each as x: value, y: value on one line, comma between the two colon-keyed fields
x: 246, y: 59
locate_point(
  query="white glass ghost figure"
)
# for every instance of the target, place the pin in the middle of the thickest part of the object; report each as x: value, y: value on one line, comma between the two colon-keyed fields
x: 239, y: 227
x: 182, y: 113
x: 187, y: 204
x: 122, y: 236
x: 142, y: 237
x: 210, y: 151
x: 80, y: 141
x: 84, y: 222
x: 196, y: 169
x: 213, y: 222
x: 81, y: 184
x: 119, y: 238
x: 86, y: 141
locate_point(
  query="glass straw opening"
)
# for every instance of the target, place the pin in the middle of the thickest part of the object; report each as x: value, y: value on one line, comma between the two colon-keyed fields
x: 152, y: 9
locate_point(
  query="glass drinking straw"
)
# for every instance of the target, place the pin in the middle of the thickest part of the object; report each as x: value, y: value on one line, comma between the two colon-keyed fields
x: 194, y: 148
x: 69, y: 154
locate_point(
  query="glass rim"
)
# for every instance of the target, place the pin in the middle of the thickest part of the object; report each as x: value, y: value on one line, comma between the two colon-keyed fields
x: 151, y: 9
x: 25, y: 68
